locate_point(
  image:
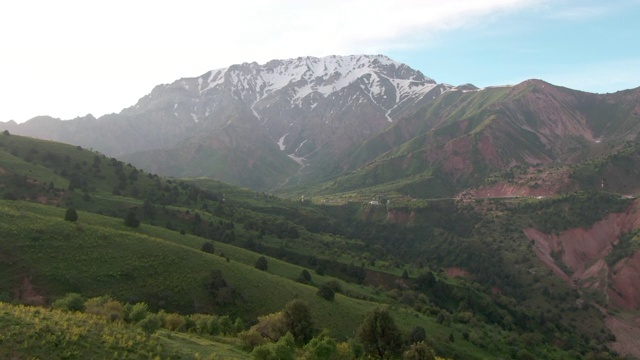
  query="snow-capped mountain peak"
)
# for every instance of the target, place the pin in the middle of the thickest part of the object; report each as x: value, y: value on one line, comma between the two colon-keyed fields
x: 321, y: 104
x: 306, y: 75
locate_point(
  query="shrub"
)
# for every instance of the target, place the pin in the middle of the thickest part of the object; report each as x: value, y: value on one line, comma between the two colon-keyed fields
x: 175, y: 322
x: 238, y: 326
x: 71, y: 215
x: 326, y: 292
x: 304, y: 276
x: 151, y: 323
x: 131, y: 220
x: 261, y: 263
x: 417, y: 335
x: 284, y: 349
x: 71, y: 302
x: 251, y: 339
x: 321, y: 348
x: 419, y: 351
x: 226, y: 326
x: 207, y: 247
x: 334, y: 285
x: 138, y: 312
x: 106, y: 307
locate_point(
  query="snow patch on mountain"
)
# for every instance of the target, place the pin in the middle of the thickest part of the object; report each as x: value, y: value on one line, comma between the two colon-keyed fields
x: 300, y: 160
x: 304, y: 76
x: 281, y: 144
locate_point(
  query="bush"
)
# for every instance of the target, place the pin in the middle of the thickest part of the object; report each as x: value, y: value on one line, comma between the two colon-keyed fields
x: 334, y: 285
x: 71, y: 302
x: 71, y: 215
x: 326, y: 292
x: 419, y: 351
x: 106, y: 307
x: 131, y: 220
x: 304, y: 276
x: 284, y: 349
x: 175, y: 322
x: 226, y: 326
x: 207, y: 247
x: 151, y: 323
x: 201, y: 322
x: 261, y: 263
x: 321, y: 348
x: 417, y: 335
x: 251, y: 339
x: 138, y: 312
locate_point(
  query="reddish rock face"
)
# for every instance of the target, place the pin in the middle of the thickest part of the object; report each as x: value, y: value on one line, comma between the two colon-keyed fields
x: 625, y: 281
x: 583, y: 251
x: 401, y: 216
x: 456, y: 272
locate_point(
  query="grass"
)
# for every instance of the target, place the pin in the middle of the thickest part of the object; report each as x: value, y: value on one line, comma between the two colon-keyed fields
x: 224, y: 348
x: 98, y: 255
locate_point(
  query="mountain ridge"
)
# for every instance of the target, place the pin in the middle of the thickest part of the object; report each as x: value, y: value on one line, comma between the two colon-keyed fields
x: 306, y: 120
x: 310, y: 107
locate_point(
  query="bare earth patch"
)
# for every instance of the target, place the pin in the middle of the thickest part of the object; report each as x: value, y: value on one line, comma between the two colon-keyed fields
x: 456, y: 272
x: 28, y: 295
x: 627, y: 336
x: 583, y: 252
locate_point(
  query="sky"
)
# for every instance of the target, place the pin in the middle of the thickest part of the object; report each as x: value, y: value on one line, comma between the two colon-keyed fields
x: 69, y: 58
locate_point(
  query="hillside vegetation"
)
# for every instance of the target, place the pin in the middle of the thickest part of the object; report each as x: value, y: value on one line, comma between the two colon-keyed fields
x: 463, y: 271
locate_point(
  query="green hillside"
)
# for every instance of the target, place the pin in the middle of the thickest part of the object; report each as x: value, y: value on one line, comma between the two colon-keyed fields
x: 463, y: 271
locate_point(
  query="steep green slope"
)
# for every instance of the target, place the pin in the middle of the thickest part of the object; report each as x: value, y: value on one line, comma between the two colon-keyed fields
x: 234, y: 154
x: 462, y: 138
x: 99, y: 255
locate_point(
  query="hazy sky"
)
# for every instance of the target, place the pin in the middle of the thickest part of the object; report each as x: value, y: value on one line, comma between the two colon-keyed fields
x: 70, y: 58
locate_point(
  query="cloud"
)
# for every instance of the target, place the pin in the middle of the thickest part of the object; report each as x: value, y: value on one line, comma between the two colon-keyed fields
x: 580, y: 13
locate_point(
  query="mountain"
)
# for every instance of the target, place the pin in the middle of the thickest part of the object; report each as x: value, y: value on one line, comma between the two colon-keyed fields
x: 249, y: 124
x: 350, y: 123
x: 526, y: 192
x: 478, y: 138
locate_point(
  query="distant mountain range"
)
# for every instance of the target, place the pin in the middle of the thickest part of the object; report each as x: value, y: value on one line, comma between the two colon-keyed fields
x: 351, y: 122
